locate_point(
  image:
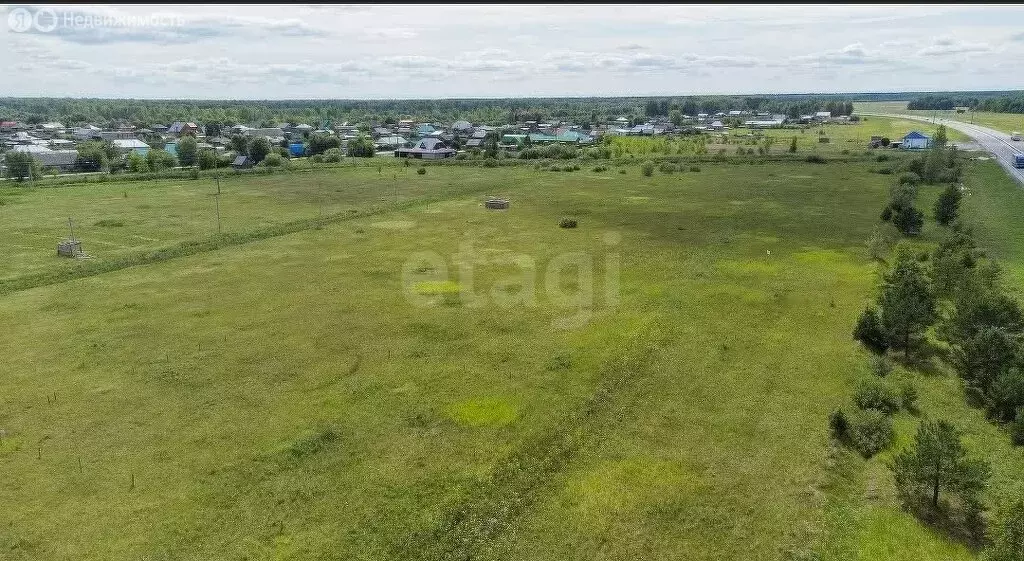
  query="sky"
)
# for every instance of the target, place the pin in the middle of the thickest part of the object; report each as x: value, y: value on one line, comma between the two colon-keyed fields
x: 429, y: 50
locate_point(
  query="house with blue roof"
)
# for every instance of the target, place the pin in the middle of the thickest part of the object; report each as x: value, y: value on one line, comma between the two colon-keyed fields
x: 423, y: 130
x: 916, y: 140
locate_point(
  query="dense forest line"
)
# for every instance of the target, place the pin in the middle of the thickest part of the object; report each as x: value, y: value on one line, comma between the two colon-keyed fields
x: 1013, y: 103
x: 324, y: 112
x: 143, y: 113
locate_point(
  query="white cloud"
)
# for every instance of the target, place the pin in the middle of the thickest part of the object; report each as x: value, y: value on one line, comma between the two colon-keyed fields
x: 486, y: 50
x: 99, y: 25
x: 944, y: 46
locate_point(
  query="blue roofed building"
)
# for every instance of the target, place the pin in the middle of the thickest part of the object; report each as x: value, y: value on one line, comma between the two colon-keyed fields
x: 423, y: 130
x: 916, y: 140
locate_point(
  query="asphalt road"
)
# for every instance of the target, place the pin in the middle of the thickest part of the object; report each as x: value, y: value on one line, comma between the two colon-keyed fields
x: 991, y: 140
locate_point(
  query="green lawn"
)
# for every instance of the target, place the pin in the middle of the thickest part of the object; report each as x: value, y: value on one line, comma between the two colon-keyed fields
x: 852, y: 137
x: 118, y: 219
x: 292, y: 397
x: 1006, y: 122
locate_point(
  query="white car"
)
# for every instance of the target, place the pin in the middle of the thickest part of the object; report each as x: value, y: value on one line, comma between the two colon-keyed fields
x: 1015, y: 136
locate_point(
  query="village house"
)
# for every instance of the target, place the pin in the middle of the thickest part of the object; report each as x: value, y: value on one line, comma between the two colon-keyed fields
x: 916, y: 140
x: 477, y: 139
x: 765, y: 122
x: 63, y: 160
x: 392, y: 142
x: 426, y: 149
x: 88, y: 132
x: 8, y: 127
x: 269, y: 132
x: 129, y: 145
x: 179, y: 128
x: 20, y: 137
x: 296, y: 131
x: 346, y: 129
x: 115, y: 135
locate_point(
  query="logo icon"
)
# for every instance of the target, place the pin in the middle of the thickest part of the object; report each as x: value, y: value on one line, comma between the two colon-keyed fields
x: 20, y: 20
x: 45, y: 20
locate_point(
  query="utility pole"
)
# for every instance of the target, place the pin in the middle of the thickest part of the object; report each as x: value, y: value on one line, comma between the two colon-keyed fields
x: 217, y: 200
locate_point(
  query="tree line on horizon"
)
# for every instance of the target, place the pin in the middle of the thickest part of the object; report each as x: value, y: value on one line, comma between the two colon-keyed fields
x: 144, y: 113
x: 1013, y: 103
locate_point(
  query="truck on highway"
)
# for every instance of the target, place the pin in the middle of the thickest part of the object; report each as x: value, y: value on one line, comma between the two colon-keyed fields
x: 1018, y: 160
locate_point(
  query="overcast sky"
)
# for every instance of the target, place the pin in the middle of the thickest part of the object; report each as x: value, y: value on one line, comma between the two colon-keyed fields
x: 433, y: 51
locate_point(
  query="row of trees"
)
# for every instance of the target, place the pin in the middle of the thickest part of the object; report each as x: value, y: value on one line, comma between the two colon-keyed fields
x: 218, y: 115
x: 676, y: 107
x: 1000, y: 104
x: 939, y: 165
x: 982, y: 328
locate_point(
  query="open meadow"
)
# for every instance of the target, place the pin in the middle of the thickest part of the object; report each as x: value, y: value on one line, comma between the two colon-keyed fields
x: 391, y: 371
x: 822, y: 138
x: 1005, y: 122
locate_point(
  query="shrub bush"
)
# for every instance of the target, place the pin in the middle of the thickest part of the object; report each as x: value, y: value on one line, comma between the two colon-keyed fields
x: 331, y: 155
x: 490, y: 163
x: 882, y: 158
x: 667, y: 167
x: 839, y: 425
x: 647, y: 169
x: 873, y: 393
x: 272, y: 160
x: 870, y: 432
x: 1017, y: 428
x: 908, y: 178
x: 421, y: 171
x: 815, y: 159
x: 622, y: 171
x: 869, y: 331
x: 567, y: 223
x: 881, y: 366
x: 908, y: 395
x: 694, y: 168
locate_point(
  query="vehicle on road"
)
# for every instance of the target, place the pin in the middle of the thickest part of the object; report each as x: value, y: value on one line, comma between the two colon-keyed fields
x: 1018, y: 160
x: 1015, y: 136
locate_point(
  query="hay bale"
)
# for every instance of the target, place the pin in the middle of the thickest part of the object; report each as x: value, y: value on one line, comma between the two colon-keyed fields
x: 494, y: 203
x: 69, y: 248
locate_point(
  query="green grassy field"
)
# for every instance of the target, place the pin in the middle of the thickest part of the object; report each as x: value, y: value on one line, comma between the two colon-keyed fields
x: 119, y: 219
x: 294, y: 398
x: 1005, y: 122
x: 851, y: 138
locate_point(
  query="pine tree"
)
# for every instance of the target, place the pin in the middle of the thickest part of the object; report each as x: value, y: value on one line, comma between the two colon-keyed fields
x: 869, y: 332
x: 907, y: 301
x: 937, y: 462
x: 1007, y: 533
x: 948, y: 205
